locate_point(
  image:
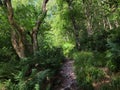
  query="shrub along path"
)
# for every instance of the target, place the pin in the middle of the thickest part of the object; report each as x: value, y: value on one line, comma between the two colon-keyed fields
x: 67, y: 78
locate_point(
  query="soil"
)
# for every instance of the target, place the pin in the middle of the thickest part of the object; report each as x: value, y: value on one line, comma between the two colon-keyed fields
x: 67, y: 77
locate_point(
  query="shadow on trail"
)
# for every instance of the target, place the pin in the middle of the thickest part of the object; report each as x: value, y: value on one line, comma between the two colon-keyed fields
x: 66, y: 79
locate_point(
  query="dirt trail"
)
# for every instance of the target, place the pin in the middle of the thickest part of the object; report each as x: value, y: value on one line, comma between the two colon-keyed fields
x: 67, y: 77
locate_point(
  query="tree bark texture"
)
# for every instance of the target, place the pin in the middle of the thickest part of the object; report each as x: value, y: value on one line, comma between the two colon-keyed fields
x: 17, y: 44
x: 18, y: 35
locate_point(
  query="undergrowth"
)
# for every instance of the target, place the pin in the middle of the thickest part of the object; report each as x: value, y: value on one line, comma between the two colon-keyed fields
x: 32, y: 73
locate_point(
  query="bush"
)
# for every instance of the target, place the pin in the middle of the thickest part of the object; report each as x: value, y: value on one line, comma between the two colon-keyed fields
x: 113, y: 85
x: 100, y: 59
x: 95, y: 42
x: 35, y: 72
x: 67, y: 49
x: 47, y: 58
x: 83, y: 58
x: 114, y: 50
x: 34, y: 82
x: 85, y: 71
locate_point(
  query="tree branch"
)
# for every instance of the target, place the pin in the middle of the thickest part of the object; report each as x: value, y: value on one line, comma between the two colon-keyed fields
x: 37, y: 25
x: 11, y: 16
x: 41, y: 16
x: 18, y: 37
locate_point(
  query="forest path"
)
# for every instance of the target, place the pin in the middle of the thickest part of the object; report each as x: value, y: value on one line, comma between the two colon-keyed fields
x: 67, y: 77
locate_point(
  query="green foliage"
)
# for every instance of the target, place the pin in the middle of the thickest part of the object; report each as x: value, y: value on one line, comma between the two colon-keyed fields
x: 6, y: 72
x: 30, y: 83
x: 57, y: 30
x: 47, y: 58
x: 26, y: 15
x: 113, y: 85
x: 67, y: 49
x: 33, y: 73
x: 6, y: 50
x: 114, y: 50
x: 85, y: 71
x: 100, y: 59
x: 83, y: 58
x: 8, y: 56
x: 94, y: 42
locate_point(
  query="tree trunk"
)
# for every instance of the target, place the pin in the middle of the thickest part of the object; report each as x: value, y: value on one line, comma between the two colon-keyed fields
x: 87, y: 11
x: 116, y: 24
x: 18, y: 35
x: 75, y: 26
x: 18, y: 44
x: 109, y: 24
x: 76, y: 33
x: 89, y: 27
x: 35, y: 41
x: 37, y: 25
